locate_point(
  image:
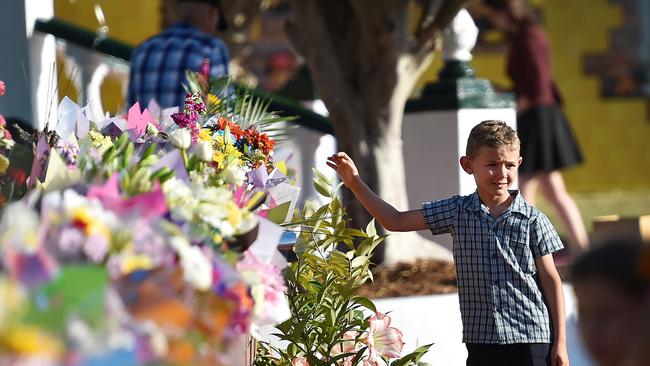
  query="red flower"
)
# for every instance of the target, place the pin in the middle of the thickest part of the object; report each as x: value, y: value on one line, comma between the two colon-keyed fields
x: 17, y: 175
x: 204, y: 74
x: 259, y: 140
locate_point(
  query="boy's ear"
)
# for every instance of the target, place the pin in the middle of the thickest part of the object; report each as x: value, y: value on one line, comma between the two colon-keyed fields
x: 520, y: 160
x: 466, y: 164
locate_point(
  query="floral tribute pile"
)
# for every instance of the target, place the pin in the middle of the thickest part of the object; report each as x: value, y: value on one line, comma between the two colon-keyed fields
x: 151, y: 239
x: 147, y: 237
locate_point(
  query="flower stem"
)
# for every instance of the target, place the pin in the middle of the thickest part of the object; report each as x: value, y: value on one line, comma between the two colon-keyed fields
x: 184, y: 156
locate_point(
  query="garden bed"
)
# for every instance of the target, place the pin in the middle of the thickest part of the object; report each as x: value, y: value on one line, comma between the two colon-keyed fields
x: 423, y: 277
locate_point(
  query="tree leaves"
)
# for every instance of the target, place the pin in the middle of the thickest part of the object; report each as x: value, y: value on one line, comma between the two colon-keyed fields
x: 322, y: 285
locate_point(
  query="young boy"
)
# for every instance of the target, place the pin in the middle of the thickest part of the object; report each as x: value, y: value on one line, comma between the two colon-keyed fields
x: 507, y: 281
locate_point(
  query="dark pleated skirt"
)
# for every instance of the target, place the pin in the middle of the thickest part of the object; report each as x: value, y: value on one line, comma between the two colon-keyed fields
x: 547, y: 141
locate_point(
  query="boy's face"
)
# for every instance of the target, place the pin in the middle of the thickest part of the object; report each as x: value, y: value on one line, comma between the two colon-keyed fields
x: 494, y: 169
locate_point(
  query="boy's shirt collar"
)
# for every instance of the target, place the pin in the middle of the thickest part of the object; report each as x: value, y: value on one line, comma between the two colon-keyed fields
x: 517, y: 205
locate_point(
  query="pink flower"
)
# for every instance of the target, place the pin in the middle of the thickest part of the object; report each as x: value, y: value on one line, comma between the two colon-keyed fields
x: 348, y: 344
x: 383, y: 340
x: 269, y: 276
x: 2, y: 87
x: 299, y: 361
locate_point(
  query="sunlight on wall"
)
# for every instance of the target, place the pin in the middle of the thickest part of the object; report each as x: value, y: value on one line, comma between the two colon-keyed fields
x: 614, y: 133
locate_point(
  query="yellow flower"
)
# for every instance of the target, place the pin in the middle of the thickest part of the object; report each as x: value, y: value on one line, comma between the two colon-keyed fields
x: 222, y: 141
x: 234, y: 215
x: 218, y: 157
x: 82, y: 218
x: 136, y: 262
x: 100, y: 142
x: 205, y: 135
x: 12, y: 298
x: 4, y: 164
x: 30, y: 340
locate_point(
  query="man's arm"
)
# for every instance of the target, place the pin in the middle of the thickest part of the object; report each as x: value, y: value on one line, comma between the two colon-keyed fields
x: 552, y: 288
x: 387, y: 216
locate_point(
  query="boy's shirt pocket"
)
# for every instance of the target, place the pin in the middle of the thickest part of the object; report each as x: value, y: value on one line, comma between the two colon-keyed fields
x: 521, y: 257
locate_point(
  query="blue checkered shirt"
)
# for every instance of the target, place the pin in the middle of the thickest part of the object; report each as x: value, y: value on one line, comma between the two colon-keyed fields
x: 158, y: 65
x: 500, y: 298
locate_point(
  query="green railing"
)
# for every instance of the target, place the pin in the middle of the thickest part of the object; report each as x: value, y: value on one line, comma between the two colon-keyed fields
x: 112, y: 47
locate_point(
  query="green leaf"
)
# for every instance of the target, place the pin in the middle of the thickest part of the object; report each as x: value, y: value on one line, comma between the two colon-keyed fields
x: 359, y: 261
x: 149, y: 151
x: 370, y: 229
x: 412, y: 357
x: 365, y: 302
x: 358, y: 356
x: 322, y: 188
x: 320, y: 176
x: 126, y: 155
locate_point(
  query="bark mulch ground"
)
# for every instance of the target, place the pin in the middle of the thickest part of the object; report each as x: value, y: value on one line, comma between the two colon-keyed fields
x: 428, y: 277
x: 423, y: 277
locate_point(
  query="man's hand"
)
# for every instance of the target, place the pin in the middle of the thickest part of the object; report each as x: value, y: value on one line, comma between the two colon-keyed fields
x: 344, y: 167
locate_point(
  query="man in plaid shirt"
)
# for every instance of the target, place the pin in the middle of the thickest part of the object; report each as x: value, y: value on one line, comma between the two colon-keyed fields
x: 158, y: 65
x: 510, y: 293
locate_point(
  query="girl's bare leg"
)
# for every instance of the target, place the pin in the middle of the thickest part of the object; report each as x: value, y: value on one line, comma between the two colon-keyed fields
x: 554, y: 191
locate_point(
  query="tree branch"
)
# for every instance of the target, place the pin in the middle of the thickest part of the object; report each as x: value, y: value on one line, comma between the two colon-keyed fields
x: 443, y: 17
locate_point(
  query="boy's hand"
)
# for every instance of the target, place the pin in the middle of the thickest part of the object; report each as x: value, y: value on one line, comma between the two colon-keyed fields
x: 559, y: 355
x: 344, y: 167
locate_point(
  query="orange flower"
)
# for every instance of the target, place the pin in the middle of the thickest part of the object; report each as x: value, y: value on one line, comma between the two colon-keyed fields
x: 235, y: 130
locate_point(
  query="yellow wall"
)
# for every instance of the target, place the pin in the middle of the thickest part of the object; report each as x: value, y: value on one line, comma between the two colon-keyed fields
x: 614, y: 133
x: 128, y: 21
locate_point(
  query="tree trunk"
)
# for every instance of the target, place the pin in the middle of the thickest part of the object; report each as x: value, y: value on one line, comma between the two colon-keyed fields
x: 365, y: 61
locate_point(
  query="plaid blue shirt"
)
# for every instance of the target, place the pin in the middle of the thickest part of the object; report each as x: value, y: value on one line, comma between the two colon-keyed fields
x: 500, y: 299
x: 158, y: 65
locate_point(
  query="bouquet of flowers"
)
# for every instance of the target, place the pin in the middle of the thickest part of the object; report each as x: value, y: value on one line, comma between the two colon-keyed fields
x: 6, y: 144
x: 149, y: 236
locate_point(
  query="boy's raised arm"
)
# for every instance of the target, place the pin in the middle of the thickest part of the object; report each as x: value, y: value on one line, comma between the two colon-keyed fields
x: 387, y: 216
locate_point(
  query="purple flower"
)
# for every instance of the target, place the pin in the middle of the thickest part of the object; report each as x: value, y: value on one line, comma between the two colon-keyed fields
x: 183, y: 119
x: 68, y: 150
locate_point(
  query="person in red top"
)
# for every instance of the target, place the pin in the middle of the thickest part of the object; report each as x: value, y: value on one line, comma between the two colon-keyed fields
x: 547, y: 141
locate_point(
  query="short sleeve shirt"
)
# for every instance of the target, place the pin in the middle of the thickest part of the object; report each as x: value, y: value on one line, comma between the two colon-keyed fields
x: 500, y: 298
x: 159, y: 64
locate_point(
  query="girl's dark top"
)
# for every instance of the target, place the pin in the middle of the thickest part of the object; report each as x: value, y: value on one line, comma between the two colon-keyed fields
x: 529, y: 67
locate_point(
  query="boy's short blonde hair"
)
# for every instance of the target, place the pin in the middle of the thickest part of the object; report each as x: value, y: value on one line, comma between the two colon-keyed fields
x: 491, y: 133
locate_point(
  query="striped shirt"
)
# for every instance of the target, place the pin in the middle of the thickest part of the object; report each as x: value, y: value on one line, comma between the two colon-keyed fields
x: 500, y: 298
x: 158, y: 65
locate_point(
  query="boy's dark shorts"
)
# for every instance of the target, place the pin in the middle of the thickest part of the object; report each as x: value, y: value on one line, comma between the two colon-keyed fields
x: 519, y: 354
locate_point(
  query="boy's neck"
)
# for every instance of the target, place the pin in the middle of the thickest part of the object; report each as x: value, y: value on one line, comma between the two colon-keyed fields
x: 496, y: 204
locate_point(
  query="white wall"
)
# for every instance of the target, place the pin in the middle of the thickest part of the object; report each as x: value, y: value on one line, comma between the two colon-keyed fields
x: 436, y: 319
x: 434, y: 141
